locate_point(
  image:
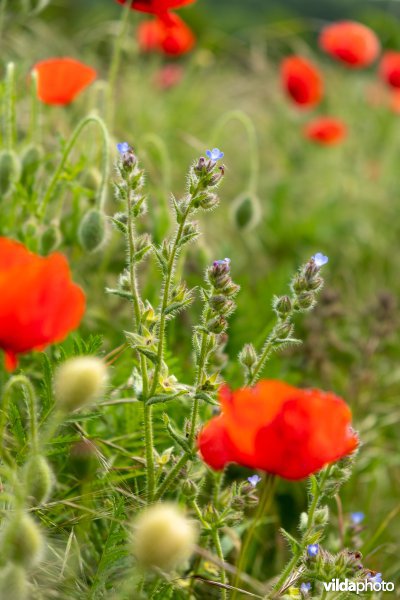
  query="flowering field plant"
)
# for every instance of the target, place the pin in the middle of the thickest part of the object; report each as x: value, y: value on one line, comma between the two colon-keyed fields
x: 176, y: 420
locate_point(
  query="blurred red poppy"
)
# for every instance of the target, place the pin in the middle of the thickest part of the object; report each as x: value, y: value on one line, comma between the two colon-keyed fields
x: 39, y: 304
x: 60, y: 80
x: 155, y: 6
x: 279, y: 429
x: 352, y: 43
x: 167, y: 34
x: 301, y: 81
x: 169, y: 76
x: 325, y: 130
x: 389, y: 68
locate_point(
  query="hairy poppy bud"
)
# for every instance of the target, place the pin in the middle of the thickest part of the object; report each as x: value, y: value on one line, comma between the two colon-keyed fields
x: 13, y: 583
x: 50, y: 239
x: 92, y: 230
x: 84, y: 459
x: 38, y: 479
x: 30, y: 163
x: 79, y: 381
x: 22, y: 542
x: 10, y: 170
x: 246, y: 211
x: 163, y: 537
x: 92, y: 179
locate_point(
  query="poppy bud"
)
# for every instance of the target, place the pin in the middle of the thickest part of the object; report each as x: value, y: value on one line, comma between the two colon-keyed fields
x: 92, y: 230
x: 246, y: 211
x: 84, y: 459
x: 30, y: 163
x: 79, y: 381
x: 22, y: 542
x: 92, y: 179
x: 10, y: 170
x: 13, y: 583
x: 248, y: 356
x: 163, y: 537
x: 50, y: 239
x: 38, y: 480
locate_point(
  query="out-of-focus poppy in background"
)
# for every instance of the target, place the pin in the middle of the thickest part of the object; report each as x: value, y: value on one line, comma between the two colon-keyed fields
x: 352, y: 43
x: 301, y: 81
x: 326, y: 131
x: 60, y: 80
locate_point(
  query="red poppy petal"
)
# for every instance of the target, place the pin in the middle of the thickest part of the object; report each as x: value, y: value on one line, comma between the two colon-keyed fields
x: 60, y: 80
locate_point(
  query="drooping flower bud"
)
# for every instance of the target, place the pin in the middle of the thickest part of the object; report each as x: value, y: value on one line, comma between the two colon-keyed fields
x: 30, y: 163
x: 10, y: 170
x: 50, y: 239
x: 21, y: 541
x: 39, y: 479
x: 84, y: 459
x: 246, y: 211
x: 163, y: 537
x: 79, y: 381
x: 92, y: 230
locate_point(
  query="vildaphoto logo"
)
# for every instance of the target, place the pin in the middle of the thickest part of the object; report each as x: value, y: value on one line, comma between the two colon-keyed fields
x: 374, y: 584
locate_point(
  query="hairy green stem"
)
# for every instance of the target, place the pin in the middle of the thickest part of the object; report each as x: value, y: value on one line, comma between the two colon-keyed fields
x: 165, y: 294
x: 299, y: 552
x: 23, y: 381
x: 264, y: 504
x: 102, y: 193
x: 147, y: 410
x: 220, y: 554
x: 10, y: 112
x: 242, y: 118
x: 116, y: 61
x: 34, y: 127
x: 172, y: 476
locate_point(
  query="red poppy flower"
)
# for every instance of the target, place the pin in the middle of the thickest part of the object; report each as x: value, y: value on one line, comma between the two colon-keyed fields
x: 352, y: 43
x: 325, y: 130
x: 155, y: 6
x: 169, y: 76
x: 39, y: 304
x: 301, y: 81
x: 389, y: 69
x: 60, y: 80
x: 167, y: 34
x: 279, y: 429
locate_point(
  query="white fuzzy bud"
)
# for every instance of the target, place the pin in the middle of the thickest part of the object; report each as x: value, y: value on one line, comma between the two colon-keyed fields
x: 163, y: 537
x: 79, y: 381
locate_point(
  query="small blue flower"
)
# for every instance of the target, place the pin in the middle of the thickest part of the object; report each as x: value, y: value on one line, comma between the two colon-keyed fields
x: 320, y: 259
x: 214, y: 154
x: 254, y: 480
x: 224, y: 261
x: 312, y: 550
x: 376, y: 578
x: 305, y: 587
x: 357, y: 517
x: 123, y: 147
